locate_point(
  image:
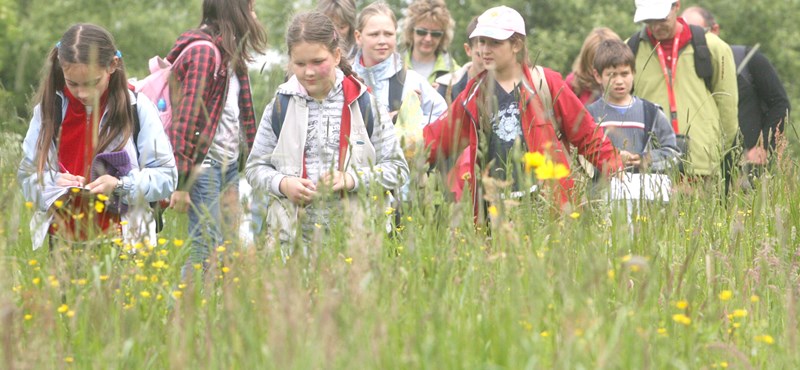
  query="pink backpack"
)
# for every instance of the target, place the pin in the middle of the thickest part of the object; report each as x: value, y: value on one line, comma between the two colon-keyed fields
x: 156, y: 85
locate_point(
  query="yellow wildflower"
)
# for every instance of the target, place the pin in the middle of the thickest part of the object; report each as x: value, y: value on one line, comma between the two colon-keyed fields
x: 70, y: 313
x: 725, y: 295
x: 754, y: 298
x: 765, y: 338
x: 177, y: 294
x: 575, y: 215
x: 102, y: 197
x: 740, y: 313
x: 221, y: 249
x: 226, y: 270
x: 681, y: 319
x: 723, y: 364
x: 144, y: 294
x: 58, y: 203
x: 682, y: 304
x: 28, y: 317
x: 662, y: 332
x: 389, y: 211
x: 544, y: 334
x: 36, y: 281
x: 533, y: 160
x: 178, y: 242
x: 103, y: 277
x: 63, y: 308
x: 99, y: 207
x: 611, y: 274
x: 32, y: 262
x: 69, y: 359
x: 348, y: 260
x: 28, y: 205
x: 162, y: 241
x: 75, y: 190
x: 493, y: 211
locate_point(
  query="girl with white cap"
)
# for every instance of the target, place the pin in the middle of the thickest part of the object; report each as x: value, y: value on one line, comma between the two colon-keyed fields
x: 514, y: 104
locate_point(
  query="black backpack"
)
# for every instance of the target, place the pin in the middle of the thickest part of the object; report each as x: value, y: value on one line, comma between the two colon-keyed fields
x: 158, y: 212
x: 702, y: 55
x: 282, y: 103
x: 396, y: 84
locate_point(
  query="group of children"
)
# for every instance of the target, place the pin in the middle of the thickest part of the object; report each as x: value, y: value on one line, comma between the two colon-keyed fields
x: 327, y: 132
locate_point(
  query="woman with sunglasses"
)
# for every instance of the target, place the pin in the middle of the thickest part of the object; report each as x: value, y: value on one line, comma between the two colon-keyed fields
x: 427, y: 32
x: 378, y: 63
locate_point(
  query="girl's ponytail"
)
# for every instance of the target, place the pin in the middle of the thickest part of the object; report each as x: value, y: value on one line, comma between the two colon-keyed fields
x: 52, y: 80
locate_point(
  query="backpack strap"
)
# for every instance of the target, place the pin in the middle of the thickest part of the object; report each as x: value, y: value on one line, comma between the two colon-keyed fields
x: 365, y: 105
x: 702, y: 55
x: 396, y: 83
x: 542, y: 90
x: 740, y: 57
x: 217, y: 55
x: 633, y: 42
x: 282, y: 104
x: 279, y: 108
x: 650, y: 112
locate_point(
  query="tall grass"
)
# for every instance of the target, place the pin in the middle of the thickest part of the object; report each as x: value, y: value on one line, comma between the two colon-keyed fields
x: 700, y: 282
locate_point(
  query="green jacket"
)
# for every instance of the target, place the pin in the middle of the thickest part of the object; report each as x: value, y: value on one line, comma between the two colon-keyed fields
x: 443, y: 65
x: 710, y: 121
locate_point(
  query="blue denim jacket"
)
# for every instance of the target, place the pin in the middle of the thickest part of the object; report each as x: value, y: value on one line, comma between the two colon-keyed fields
x: 154, y: 179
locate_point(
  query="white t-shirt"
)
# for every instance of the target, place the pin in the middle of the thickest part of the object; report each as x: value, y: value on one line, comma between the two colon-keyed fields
x: 225, y: 146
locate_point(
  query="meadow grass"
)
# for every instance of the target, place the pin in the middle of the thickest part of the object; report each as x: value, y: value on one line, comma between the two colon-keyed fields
x: 700, y: 282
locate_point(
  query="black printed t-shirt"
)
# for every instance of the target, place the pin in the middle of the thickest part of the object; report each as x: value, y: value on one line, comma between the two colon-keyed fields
x: 506, y: 130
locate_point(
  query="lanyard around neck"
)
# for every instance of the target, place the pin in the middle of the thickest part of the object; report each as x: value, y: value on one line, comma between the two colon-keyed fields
x: 669, y: 77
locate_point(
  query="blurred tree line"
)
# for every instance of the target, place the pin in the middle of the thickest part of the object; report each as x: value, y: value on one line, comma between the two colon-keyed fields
x: 143, y: 28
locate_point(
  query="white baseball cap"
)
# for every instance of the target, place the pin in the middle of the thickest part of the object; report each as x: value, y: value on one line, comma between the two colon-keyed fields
x: 499, y: 23
x: 652, y: 9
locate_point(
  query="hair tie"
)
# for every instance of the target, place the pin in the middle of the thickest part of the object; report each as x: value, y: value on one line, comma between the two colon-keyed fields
x: 58, y: 45
x: 118, y: 54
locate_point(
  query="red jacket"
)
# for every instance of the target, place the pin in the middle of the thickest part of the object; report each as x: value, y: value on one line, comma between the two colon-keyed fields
x: 457, y: 130
x: 197, y: 113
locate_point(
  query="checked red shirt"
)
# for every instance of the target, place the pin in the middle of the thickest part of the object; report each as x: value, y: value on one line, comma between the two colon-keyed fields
x: 202, y: 98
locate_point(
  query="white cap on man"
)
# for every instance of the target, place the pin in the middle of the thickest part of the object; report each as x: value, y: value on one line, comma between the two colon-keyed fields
x: 499, y: 23
x: 652, y: 9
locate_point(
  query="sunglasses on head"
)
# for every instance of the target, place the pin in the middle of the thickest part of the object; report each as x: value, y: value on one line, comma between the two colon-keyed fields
x: 422, y: 32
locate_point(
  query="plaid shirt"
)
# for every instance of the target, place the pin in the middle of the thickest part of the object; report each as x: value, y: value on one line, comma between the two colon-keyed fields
x: 202, y: 99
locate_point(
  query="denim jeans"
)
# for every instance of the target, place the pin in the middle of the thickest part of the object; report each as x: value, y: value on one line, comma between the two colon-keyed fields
x: 214, y: 212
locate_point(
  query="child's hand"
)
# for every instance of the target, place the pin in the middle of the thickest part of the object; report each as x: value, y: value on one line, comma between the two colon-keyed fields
x: 103, y: 185
x: 66, y: 179
x: 299, y: 191
x: 338, y: 180
x: 756, y: 155
x: 630, y: 159
x: 180, y: 201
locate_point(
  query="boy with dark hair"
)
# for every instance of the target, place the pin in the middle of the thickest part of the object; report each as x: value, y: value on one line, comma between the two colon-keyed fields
x: 458, y: 79
x: 637, y: 127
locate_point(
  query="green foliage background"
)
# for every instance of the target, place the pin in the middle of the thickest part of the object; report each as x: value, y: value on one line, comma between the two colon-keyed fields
x: 145, y: 28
